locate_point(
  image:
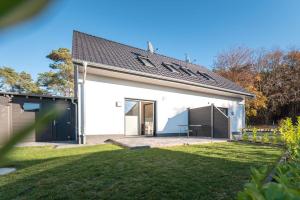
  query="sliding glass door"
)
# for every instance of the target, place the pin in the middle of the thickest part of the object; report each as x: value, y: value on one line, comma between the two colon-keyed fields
x: 132, y: 117
x: 139, y: 117
x: 148, y: 118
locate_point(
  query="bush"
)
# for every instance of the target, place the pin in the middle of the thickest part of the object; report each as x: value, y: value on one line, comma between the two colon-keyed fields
x: 265, y: 138
x: 254, y: 134
x: 286, y: 185
x: 245, y: 136
x: 273, y: 138
x: 290, y: 135
x: 287, y: 175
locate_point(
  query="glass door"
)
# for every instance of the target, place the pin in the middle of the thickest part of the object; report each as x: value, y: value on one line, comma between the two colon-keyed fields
x: 148, y: 118
x: 132, y: 117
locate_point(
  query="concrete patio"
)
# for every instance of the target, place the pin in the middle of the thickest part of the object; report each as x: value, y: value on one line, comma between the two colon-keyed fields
x: 150, y: 142
x: 132, y: 142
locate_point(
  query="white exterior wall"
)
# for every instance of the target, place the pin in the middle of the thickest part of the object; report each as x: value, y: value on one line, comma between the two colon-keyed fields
x: 103, y: 117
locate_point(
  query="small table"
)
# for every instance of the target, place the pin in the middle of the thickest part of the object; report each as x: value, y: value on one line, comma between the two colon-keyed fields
x: 188, y: 130
x: 195, y: 125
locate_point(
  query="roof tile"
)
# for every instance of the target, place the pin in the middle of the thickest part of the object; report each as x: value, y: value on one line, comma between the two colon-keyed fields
x: 98, y: 50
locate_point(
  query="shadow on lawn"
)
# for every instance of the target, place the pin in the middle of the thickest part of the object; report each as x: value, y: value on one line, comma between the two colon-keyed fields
x: 129, y: 174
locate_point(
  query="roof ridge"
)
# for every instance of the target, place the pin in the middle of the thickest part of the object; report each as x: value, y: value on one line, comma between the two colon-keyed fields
x: 127, y: 45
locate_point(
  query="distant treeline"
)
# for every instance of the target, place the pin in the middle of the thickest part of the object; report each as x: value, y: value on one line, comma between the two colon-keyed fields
x: 272, y: 75
x: 57, y: 81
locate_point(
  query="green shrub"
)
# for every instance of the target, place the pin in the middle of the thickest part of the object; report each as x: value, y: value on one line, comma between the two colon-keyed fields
x: 290, y: 135
x: 245, y: 136
x: 265, y: 138
x: 287, y: 176
x: 273, y: 138
x: 254, y: 134
x: 287, y: 185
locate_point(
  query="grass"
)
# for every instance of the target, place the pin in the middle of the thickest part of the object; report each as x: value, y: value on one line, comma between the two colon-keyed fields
x: 210, y: 171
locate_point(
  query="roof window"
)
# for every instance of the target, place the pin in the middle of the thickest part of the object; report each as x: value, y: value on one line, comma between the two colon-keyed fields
x: 205, y: 75
x: 145, y: 61
x: 184, y: 70
x: 187, y: 71
x: 170, y: 67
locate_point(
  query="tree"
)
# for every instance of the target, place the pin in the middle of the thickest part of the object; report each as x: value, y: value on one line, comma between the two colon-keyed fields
x: 281, y: 82
x: 59, y: 80
x: 12, y: 81
x: 239, y: 65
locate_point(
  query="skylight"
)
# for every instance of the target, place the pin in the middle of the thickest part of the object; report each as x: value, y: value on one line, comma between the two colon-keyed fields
x: 187, y: 71
x: 205, y: 75
x: 191, y: 72
x: 145, y: 61
x: 170, y: 67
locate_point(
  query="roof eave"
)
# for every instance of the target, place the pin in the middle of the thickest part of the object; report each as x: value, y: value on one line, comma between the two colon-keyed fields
x: 35, y: 95
x: 79, y: 61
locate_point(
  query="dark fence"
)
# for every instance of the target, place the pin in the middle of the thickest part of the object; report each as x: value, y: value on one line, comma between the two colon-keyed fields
x: 200, y: 116
x: 209, y: 121
x: 221, y: 124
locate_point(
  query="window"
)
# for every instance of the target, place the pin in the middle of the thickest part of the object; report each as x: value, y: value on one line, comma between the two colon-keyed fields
x: 191, y: 72
x: 188, y: 71
x: 184, y: 69
x: 205, y: 75
x: 145, y: 61
x: 31, y: 107
x: 170, y: 67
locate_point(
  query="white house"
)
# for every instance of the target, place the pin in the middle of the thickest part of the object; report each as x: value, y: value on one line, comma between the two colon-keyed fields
x: 127, y: 91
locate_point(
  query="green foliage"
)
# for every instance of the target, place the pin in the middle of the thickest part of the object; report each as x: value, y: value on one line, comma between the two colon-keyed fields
x: 273, y: 138
x: 12, y: 81
x: 15, y: 11
x: 287, y: 185
x: 287, y: 176
x: 253, y: 189
x: 290, y: 135
x: 265, y: 138
x: 59, y: 80
x: 245, y: 136
x: 254, y: 134
x: 41, y: 122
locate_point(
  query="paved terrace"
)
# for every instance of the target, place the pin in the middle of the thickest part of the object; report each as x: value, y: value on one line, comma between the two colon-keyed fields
x: 133, y: 142
x: 150, y: 142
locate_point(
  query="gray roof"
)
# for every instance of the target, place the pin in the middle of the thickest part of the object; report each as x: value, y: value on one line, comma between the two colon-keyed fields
x: 98, y: 50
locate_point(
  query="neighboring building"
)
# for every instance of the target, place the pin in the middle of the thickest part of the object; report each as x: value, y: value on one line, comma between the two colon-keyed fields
x: 123, y: 90
x: 20, y: 110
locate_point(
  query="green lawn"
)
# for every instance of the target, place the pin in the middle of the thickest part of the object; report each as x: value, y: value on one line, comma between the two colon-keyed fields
x: 211, y: 171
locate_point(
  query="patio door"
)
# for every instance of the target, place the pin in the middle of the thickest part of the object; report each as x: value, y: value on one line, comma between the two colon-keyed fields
x: 147, y: 118
x: 139, y: 117
x: 132, y: 117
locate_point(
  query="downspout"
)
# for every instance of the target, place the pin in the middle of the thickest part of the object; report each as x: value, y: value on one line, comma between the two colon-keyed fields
x: 76, y: 104
x: 83, y: 115
x: 76, y: 120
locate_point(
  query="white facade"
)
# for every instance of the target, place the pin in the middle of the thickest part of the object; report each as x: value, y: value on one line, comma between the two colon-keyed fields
x: 104, y: 99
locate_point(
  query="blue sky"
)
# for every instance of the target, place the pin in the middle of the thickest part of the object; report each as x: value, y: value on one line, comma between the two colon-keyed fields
x: 200, y: 28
